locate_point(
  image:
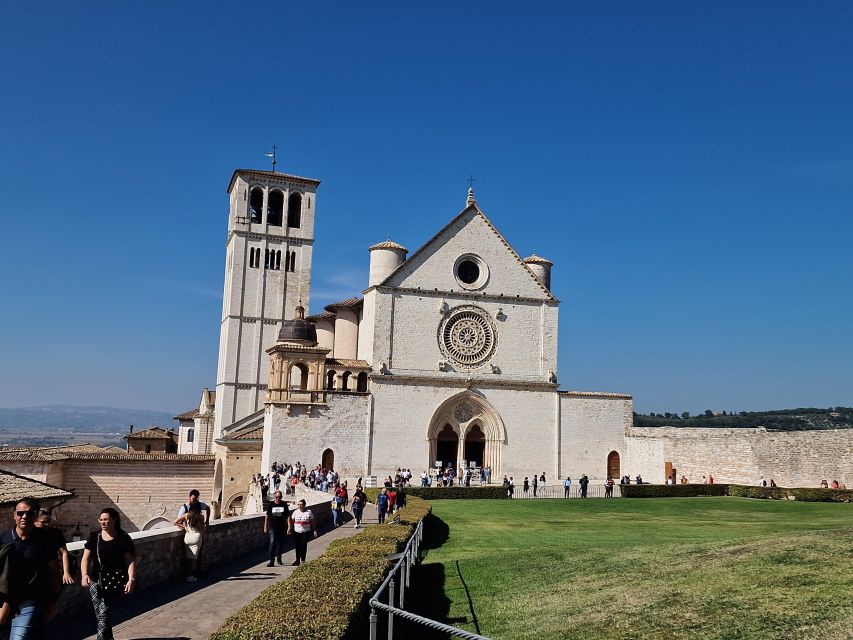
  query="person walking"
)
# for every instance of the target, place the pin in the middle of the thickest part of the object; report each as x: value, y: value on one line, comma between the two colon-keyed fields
x: 392, y: 500
x: 114, y: 568
x: 359, y: 499
x: 511, y: 487
x: 525, y: 487
x: 302, y: 525
x: 584, y: 483
x: 192, y: 522
x: 338, y: 509
x: 567, y: 487
x: 59, y: 542
x: 275, y: 526
x: 35, y: 599
x: 382, y: 505
x: 535, y: 484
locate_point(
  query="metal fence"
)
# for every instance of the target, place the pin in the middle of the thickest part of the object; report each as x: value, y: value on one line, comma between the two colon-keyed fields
x: 396, y: 583
x: 559, y: 491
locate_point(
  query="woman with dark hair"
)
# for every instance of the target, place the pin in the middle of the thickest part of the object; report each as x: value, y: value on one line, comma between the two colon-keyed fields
x: 114, y: 568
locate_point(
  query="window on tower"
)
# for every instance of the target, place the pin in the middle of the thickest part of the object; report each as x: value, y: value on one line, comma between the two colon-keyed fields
x: 277, y: 260
x: 294, y: 210
x: 293, y: 261
x: 275, y: 208
x: 266, y: 258
x: 256, y: 205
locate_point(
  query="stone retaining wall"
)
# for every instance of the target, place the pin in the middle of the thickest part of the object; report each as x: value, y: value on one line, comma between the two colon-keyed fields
x: 160, y: 552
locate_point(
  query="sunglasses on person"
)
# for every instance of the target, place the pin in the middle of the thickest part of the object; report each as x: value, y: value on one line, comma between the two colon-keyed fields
x: 29, y: 513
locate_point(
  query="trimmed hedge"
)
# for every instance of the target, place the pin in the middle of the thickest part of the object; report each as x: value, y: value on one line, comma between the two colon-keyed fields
x: 327, y: 598
x: 672, y: 490
x: 737, y: 490
x: 447, y: 493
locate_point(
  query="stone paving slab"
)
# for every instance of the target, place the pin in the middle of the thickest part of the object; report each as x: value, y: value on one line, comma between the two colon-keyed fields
x: 193, y: 611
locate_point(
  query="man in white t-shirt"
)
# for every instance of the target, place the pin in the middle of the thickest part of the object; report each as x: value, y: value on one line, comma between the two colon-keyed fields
x: 301, y: 525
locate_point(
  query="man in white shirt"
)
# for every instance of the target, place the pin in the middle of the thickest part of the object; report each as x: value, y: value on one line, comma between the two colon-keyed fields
x: 301, y: 525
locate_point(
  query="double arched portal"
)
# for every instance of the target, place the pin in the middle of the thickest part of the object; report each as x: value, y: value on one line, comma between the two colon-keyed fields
x: 466, y: 428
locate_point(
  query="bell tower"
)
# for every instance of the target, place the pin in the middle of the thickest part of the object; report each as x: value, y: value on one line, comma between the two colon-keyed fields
x: 267, y: 274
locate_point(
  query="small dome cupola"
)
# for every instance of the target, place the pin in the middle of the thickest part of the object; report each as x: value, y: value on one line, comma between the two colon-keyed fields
x: 385, y: 257
x: 299, y: 330
x: 541, y: 268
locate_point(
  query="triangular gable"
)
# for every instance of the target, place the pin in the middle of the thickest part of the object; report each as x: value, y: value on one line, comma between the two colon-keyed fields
x: 471, y: 231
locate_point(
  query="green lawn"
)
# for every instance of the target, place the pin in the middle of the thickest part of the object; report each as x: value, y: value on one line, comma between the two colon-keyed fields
x: 698, y: 568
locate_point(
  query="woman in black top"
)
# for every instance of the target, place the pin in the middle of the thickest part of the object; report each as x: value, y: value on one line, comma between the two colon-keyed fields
x: 114, y: 568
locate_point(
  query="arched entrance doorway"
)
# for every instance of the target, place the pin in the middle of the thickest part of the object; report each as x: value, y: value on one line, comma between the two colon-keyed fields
x: 466, y: 423
x: 613, y: 470
x: 447, y: 446
x: 328, y: 462
x: 475, y: 445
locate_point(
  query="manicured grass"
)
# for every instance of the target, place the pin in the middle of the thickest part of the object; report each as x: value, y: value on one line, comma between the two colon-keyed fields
x: 697, y: 568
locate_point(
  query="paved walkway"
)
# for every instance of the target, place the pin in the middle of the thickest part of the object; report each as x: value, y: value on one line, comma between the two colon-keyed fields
x: 190, y: 611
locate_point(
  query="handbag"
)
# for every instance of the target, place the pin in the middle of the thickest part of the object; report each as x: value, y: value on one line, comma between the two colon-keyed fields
x: 111, y: 581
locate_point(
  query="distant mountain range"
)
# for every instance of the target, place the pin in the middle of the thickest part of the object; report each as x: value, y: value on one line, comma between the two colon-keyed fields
x: 804, y: 419
x: 81, y: 418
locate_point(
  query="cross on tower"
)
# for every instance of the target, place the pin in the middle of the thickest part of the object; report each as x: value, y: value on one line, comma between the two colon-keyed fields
x: 470, y: 180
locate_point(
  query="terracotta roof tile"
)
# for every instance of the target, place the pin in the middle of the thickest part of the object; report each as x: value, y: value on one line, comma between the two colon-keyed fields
x: 187, y: 415
x: 388, y: 244
x: 153, y: 433
x: 349, y: 303
x: 14, y: 487
x: 350, y: 364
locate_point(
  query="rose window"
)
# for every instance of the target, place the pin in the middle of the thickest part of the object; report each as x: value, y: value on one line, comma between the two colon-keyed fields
x: 467, y: 337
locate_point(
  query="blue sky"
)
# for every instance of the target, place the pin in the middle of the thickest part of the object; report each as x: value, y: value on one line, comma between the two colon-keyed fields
x: 688, y: 168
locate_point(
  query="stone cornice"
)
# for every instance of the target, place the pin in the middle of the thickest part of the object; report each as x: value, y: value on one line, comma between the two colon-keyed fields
x: 463, y: 382
x: 596, y: 394
x: 253, y: 235
x: 468, y: 295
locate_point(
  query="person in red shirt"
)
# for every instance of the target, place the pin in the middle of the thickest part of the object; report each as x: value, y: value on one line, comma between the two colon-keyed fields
x: 392, y: 500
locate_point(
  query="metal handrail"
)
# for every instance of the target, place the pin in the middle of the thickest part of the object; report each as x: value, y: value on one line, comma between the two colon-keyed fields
x: 410, y: 557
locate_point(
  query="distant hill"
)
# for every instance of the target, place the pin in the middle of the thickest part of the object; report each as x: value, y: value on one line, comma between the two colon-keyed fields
x: 779, y: 420
x: 84, y: 418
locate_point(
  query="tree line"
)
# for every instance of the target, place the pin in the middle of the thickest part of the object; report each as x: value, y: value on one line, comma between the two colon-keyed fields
x: 777, y: 420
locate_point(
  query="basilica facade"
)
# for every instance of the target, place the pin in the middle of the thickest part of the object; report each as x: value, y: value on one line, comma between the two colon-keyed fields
x: 447, y: 356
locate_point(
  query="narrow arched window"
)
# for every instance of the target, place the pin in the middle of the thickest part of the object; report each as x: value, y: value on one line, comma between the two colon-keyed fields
x: 330, y: 379
x: 293, y: 261
x: 275, y: 206
x: 294, y: 210
x: 277, y: 260
x: 266, y: 258
x: 361, y: 382
x: 252, y: 264
x: 345, y: 381
x: 256, y: 204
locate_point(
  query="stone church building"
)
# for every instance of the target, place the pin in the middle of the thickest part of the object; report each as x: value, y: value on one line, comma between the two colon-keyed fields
x: 448, y: 355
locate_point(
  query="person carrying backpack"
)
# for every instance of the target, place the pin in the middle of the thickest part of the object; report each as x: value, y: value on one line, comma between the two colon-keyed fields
x: 382, y: 505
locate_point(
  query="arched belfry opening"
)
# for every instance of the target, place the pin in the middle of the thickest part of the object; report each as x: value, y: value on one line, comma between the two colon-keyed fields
x: 256, y: 205
x: 613, y: 469
x: 294, y: 210
x: 467, y: 427
x: 275, y: 208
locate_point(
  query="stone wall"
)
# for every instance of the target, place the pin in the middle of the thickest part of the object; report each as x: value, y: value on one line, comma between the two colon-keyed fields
x: 592, y: 426
x: 160, y: 553
x: 341, y: 426
x: 144, y: 492
x: 791, y: 458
